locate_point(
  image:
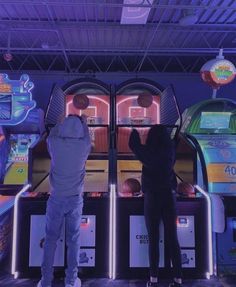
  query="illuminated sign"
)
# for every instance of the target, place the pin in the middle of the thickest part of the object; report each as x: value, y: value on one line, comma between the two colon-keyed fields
x: 84, y: 221
x: 221, y: 172
x: 223, y: 71
x: 218, y: 72
x: 15, y: 99
x: 182, y: 222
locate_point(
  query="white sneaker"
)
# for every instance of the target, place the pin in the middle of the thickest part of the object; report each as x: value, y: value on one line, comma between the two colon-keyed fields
x: 76, y: 284
x: 40, y: 285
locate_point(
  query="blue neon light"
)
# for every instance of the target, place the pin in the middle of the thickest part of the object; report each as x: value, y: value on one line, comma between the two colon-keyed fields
x: 15, y: 99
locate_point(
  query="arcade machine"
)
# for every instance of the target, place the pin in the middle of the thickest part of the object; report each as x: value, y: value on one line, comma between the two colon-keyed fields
x: 21, y: 129
x: 94, y: 257
x: 131, y: 239
x: 210, y: 128
x: 135, y: 110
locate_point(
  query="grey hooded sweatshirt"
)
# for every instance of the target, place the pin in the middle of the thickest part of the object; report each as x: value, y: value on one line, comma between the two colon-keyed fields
x: 69, y: 146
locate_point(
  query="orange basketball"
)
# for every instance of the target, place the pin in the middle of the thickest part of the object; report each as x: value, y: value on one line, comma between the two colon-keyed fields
x: 186, y: 189
x: 131, y: 185
x: 145, y: 100
x: 80, y: 101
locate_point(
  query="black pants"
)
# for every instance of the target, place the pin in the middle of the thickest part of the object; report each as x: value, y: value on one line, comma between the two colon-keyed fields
x: 157, y: 206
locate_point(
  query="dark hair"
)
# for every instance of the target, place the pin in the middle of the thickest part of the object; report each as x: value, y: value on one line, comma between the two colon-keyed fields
x: 158, y: 136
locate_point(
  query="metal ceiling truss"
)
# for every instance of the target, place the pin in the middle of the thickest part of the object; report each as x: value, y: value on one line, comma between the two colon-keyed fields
x: 14, y: 39
x: 91, y: 64
x: 47, y: 50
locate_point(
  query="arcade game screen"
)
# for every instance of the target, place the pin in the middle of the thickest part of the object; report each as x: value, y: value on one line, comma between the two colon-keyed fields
x: 97, y: 112
x: 215, y: 120
x: 131, y: 115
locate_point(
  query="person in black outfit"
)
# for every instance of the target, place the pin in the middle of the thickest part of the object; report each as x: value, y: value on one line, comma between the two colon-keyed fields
x: 157, y: 156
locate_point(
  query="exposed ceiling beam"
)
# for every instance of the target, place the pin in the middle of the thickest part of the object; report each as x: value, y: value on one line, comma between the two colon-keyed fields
x: 119, y: 51
x: 47, y: 25
x: 103, y: 3
x: 87, y: 64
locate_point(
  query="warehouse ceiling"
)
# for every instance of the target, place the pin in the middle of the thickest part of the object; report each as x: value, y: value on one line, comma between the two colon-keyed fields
x: 90, y: 36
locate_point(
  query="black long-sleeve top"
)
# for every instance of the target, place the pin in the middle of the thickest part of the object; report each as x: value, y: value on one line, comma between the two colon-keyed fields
x: 157, y: 170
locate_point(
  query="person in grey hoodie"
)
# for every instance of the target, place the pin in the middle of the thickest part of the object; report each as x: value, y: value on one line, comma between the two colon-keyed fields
x: 69, y: 146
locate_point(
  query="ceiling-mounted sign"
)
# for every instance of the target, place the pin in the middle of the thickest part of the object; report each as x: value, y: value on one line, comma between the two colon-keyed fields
x: 218, y: 72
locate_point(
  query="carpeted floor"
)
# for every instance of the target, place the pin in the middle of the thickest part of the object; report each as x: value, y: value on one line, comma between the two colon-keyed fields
x: 7, y: 280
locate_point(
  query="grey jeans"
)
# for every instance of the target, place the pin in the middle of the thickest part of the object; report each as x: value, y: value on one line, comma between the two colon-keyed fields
x: 60, y: 209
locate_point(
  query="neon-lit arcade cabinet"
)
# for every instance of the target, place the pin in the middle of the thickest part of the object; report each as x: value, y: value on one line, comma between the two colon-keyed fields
x: 209, y: 127
x: 21, y: 134
x: 94, y: 252
x: 131, y: 239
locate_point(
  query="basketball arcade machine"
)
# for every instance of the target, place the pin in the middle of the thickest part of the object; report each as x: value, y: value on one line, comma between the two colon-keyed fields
x: 94, y: 257
x: 131, y: 243
x: 131, y: 238
x: 22, y: 132
x: 210, y: 127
